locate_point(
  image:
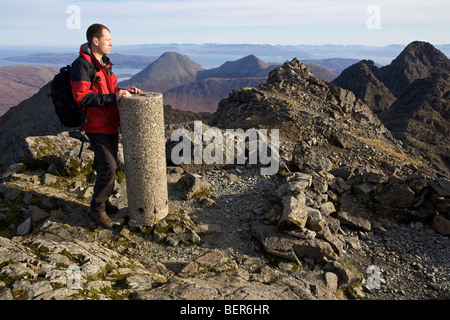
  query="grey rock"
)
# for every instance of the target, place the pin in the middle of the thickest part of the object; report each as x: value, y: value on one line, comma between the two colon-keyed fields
x: 401, y: 196
x: 375, y: 177
x: 25, y: 227
x: 60, y: 151
x: 331, y: 281
x: 346, y: 274
x: 313, y: 248
x: 304, y: 158
x: 441, y: 225
x: 344, y: 172
x: 327, y: 208
x: 315, y: 220
x: 192, y: 186
x: 352, y: 213
x: 294, y: 214
x: 49, y: 179
x: 365, y: 188
x: 9, y: 193
x: 12, y: 169
x: 275, y: 243
x: 441, y: 186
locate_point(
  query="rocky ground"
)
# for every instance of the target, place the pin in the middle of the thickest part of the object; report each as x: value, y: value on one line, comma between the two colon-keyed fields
x: 414, y: 259
x: 205, y: 249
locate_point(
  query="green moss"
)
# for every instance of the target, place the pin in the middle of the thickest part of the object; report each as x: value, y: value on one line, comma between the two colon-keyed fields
x: 204, y: 193
x: 161, y: 228
x: 349, y: 292
x: 120, y: 176
x: 43, y: 147
x: 79, y: 259
x: 10, y: 280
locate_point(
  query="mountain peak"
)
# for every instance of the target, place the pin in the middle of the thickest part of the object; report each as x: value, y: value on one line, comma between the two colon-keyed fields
x: 248, y: 66
x: 423, y: 53
x: 420, y: 46
x: 170, y: 70
x: 361, y: 79
x: 418, y: 60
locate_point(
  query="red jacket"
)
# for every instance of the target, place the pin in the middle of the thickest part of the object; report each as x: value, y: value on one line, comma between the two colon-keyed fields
x: 100, y: 100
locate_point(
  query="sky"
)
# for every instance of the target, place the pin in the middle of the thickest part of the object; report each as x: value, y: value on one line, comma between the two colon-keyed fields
x: 276, y: 22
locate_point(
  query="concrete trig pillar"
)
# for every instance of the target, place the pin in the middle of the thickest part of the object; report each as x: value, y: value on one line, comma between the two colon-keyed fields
x: 142, y: 122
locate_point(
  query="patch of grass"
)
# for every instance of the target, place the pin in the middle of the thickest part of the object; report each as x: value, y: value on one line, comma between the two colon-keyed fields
x: 387, y: 149
x: 120, y: 176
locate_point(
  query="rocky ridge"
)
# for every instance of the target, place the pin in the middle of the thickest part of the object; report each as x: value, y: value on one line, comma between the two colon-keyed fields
x: 361, y: 80
x: 316, y: 118
x: 340, y: 204
x: 420, y: 118
x: 409, y: 96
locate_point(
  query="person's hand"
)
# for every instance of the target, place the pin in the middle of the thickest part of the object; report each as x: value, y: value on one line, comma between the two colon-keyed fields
x: 122, y: 93
x: 134, y: 90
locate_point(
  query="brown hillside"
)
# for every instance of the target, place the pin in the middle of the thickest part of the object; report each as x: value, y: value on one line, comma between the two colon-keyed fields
x: 19, y: 82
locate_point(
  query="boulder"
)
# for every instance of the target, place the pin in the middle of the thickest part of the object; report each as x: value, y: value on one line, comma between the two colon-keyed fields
x: 352, y: 213
x: 441, y: 186
x: 275, y: 243
x: 347, y: 275
x: 193, y: 187
x: 401, y: 196
x: 16, y: 167
x: 59, y: 151
x: 289, y: 247
x: 327, y: 208
x: 294, y: 214
x: 305, y: 157
x: 314, y: 249
x: 441, y: 225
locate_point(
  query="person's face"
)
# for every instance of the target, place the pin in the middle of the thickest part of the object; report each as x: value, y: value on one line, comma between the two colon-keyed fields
x: 104, y: 44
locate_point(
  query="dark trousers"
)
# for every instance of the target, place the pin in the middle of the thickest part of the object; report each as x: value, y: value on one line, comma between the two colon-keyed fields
x: 105, y: 148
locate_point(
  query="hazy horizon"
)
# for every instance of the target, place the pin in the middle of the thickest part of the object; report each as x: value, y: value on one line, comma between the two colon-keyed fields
x: 284, y: 22
x: 213, y: 55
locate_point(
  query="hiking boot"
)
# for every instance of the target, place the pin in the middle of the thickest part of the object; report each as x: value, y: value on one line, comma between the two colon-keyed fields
x: 110, y: 208
x: 102, y: 219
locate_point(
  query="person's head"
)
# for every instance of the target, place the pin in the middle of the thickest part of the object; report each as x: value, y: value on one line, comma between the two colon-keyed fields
x: 99, y: 39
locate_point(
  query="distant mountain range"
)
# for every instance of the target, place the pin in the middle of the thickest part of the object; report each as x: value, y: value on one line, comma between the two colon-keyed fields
x: 120, y: 60
x: 169, y: 71
x: 205, y: 53
x: 187, y: 86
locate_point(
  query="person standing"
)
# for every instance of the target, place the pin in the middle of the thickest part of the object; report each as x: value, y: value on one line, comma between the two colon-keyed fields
x: 99, y: 96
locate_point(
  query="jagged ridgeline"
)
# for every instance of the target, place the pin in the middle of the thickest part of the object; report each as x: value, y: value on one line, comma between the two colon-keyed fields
x: 411, y: 97
x: 322, y: 124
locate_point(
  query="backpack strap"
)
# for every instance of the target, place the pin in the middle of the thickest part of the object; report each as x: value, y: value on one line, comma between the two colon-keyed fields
x: 93, y: 77
x: 92, y: 73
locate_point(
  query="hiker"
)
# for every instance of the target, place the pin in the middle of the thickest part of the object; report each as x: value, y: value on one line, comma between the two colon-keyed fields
x: 99, y: 98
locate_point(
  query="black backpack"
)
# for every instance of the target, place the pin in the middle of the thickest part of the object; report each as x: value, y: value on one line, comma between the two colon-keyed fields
x: 65, y: 105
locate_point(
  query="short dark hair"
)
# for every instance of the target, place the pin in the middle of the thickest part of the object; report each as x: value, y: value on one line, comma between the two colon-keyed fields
x: 95, y: 31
